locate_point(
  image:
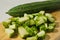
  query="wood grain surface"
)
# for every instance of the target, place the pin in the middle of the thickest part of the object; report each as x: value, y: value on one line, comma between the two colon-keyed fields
x: 55, y: 35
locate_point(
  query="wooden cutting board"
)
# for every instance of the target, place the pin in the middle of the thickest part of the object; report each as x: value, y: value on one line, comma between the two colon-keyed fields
x: 55, y: 35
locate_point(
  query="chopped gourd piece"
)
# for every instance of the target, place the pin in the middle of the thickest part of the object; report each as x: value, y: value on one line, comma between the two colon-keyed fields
x: 34, y: 29
x: 9, y: 32
x: 23, y: 19
x: 31, y: 38
x: 22, y: 32
x: 48, y: 15
x: 51, y: 19
x: 43, y: 27
x: 45, y: 18
x: 12, y: 26
x: 13, y: 19
x: 42, y: 12
x: 6, y: 23
x: 41, y: 34
x: 31, y: 22
x: 35, y: 17
x: 25, y: 15
x: 29, y: 30
x: 51, y: 26
x: 30, y: 16
x: 39, y: 21
x: 27, y: 23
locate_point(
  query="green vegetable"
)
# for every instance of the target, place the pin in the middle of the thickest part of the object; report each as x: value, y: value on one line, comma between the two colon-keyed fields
x: 14, y: 19
x: 30, y: 26
x: 12, y: 26
x: 42, y: 12
x: 39, y: 21
x: 43, y: 27
x: 51, y: 26
x: 45, y: 18
x: 32, y: 38
x: 50, y: 17
x: 35, y: 18
x: 30, y: 16
x: 32, y: 22
x: 6, y: 23
x: 22, y: 32
x: 34, y: 7
x: 27, y: 23
x: 9, y: 32
x: 34, y: 29
x: 23, y: 19
x: 41, y: 34
x: 29, y: 30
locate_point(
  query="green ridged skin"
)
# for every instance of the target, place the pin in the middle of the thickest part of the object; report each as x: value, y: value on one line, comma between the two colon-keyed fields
x: 34, y: 7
